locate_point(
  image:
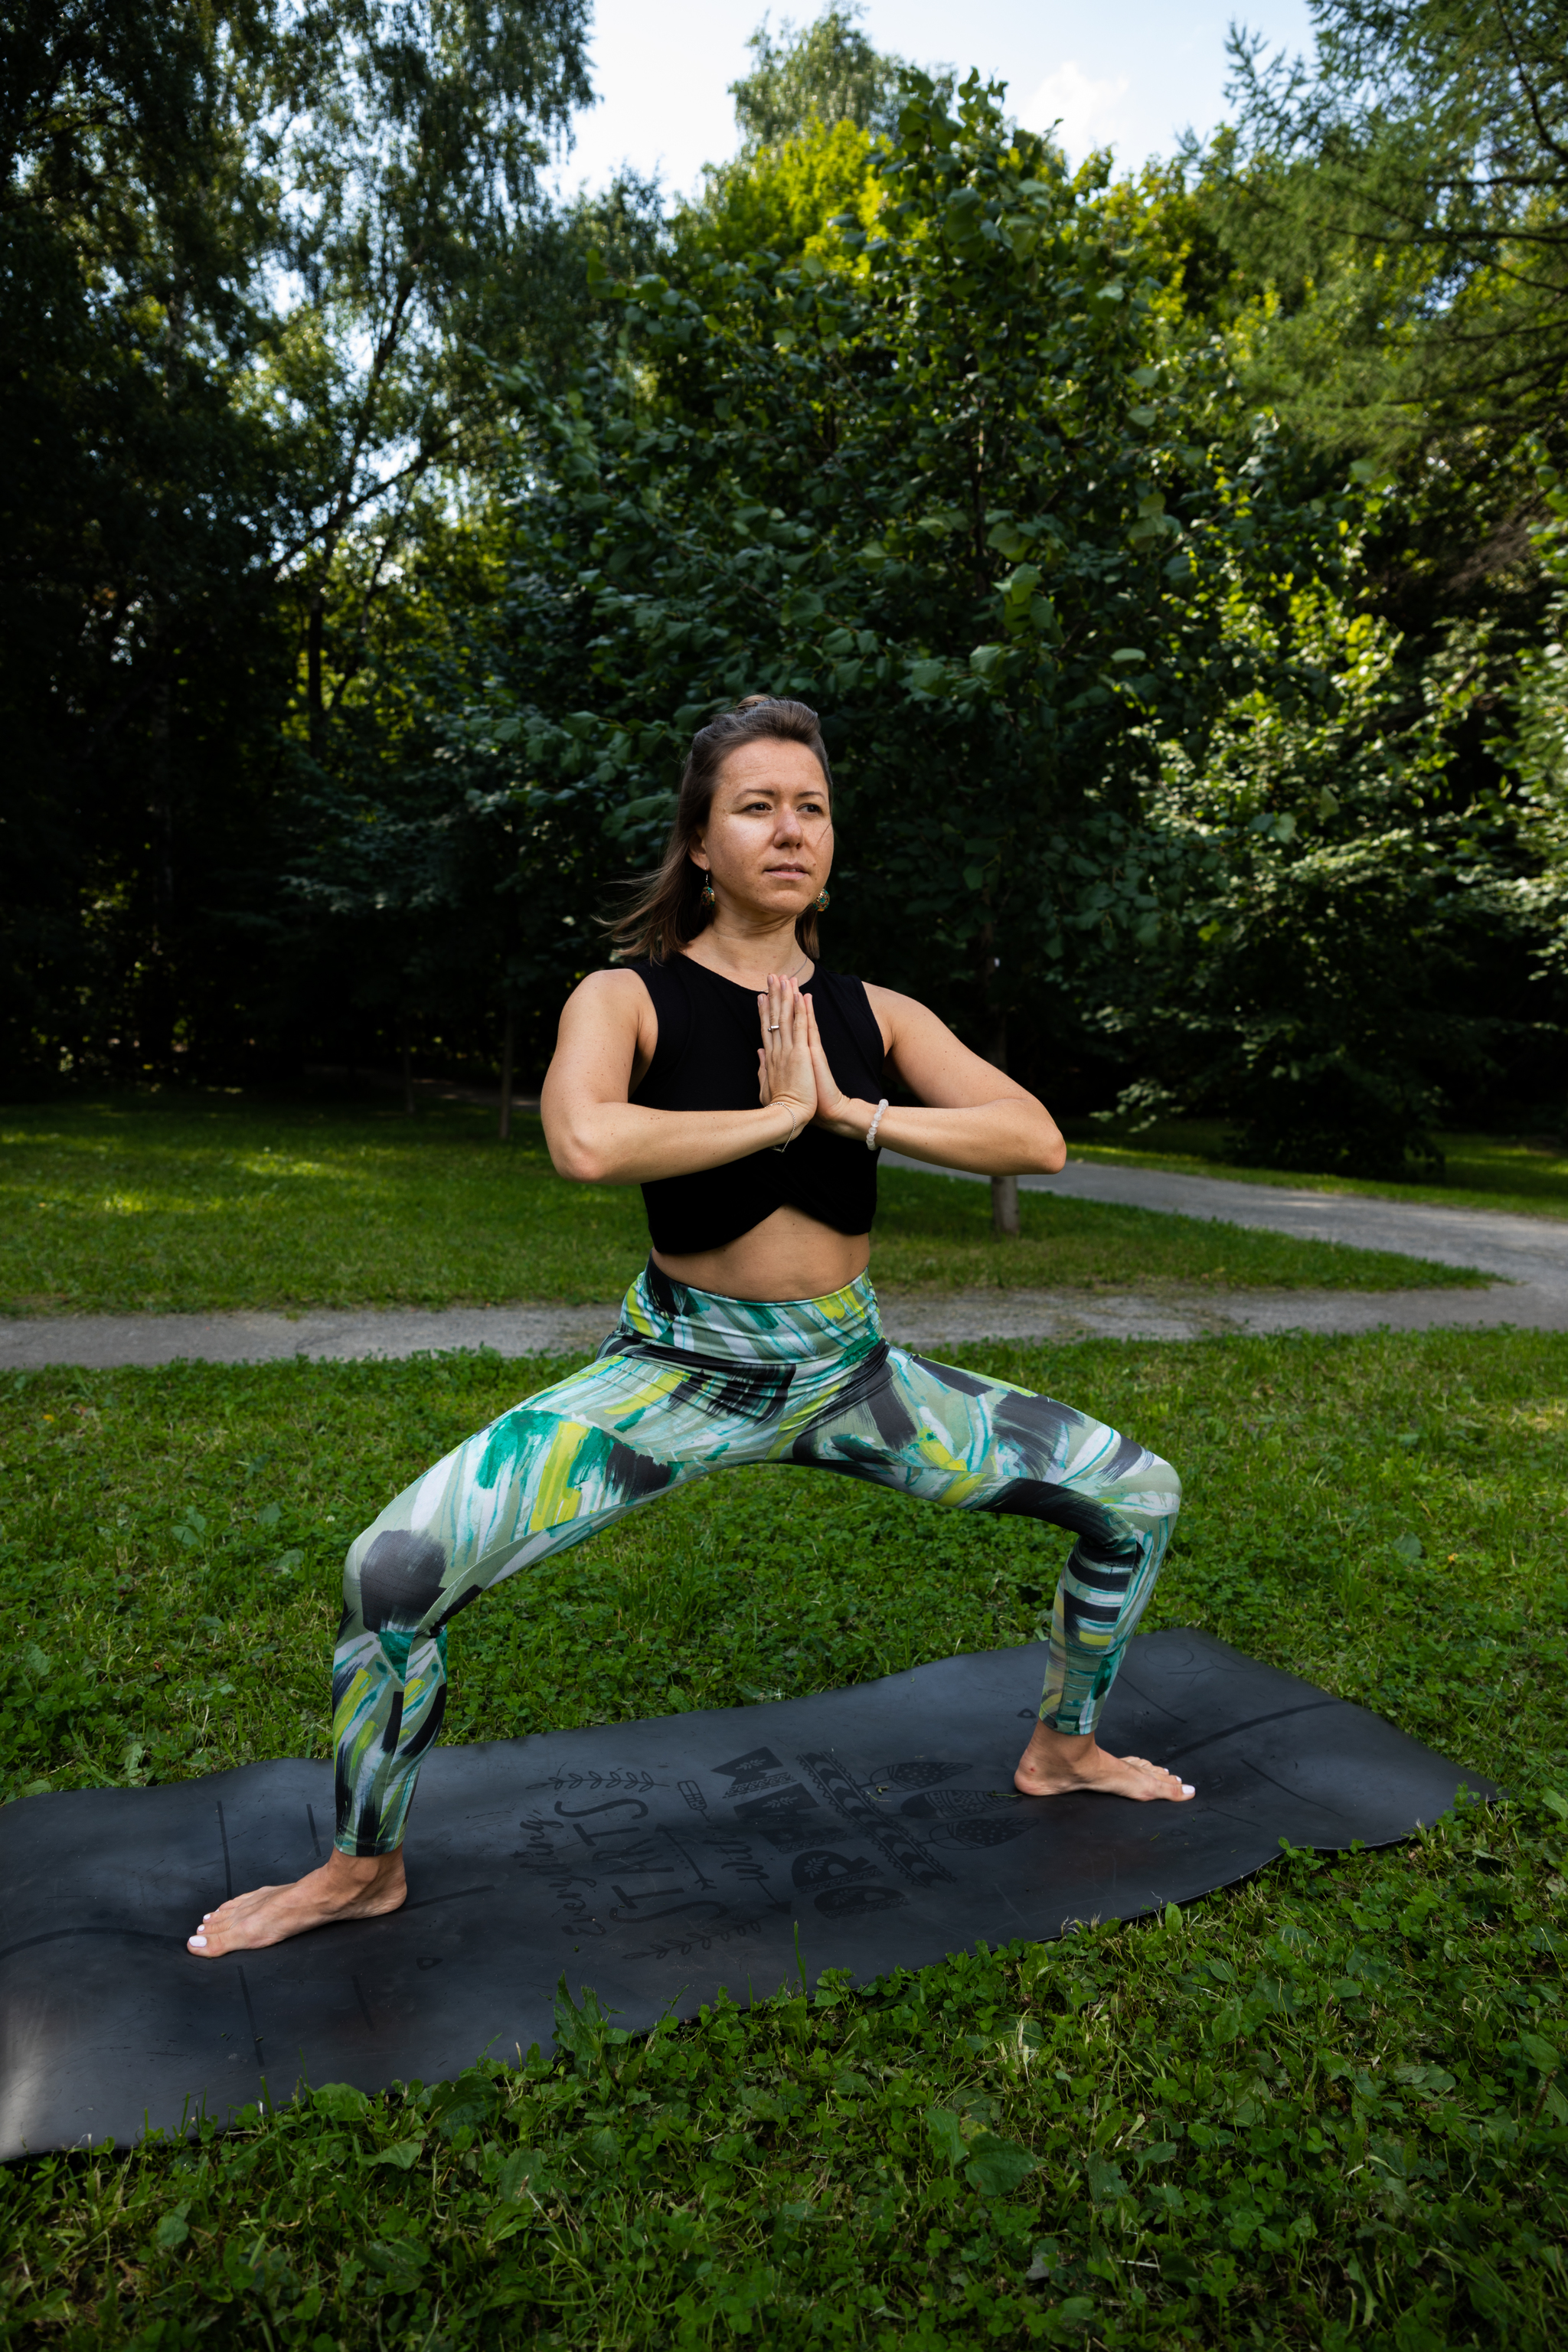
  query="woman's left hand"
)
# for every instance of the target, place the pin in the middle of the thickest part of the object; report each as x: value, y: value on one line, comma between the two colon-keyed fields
x: 835, y: 1110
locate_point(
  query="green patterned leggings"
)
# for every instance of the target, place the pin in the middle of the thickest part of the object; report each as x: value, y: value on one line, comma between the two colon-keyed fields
x: 693, y: 1382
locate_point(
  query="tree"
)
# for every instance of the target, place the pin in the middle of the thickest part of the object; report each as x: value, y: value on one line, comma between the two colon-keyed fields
x: 939, y: 479
x: 1358, y: 965
x: 1531, y: 747
x: 780, y: 202
x: 138, y: 499
x: 808, y: 113
x: 407, y: 158
x: 1407, y: 194
x: 411, y: 904
x: 826, y: 73
x: 249, y: 248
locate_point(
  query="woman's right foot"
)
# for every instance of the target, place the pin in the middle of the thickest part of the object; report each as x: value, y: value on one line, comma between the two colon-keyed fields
x: 1059, y: 1764
x: 346, y: 1887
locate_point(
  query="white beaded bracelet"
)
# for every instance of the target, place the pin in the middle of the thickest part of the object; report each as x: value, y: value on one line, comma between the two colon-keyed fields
x: 876, y: 1123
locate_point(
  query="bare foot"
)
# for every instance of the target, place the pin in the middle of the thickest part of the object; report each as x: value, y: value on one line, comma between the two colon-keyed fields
x: 1055, y: 1763
x: 345, y: 1887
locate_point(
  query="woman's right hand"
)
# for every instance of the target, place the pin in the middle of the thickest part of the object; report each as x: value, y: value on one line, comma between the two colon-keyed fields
x: 784, y: 1070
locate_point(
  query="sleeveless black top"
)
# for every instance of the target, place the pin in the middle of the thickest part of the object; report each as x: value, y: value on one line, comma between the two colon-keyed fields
x: 706, y: 1059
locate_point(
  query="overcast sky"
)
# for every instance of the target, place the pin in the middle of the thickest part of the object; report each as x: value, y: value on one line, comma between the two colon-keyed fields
x: 1132, y: 74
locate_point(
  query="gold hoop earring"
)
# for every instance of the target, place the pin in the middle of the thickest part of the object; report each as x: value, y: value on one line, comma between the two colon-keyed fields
x: 707, y: 899
x: 822, y: 902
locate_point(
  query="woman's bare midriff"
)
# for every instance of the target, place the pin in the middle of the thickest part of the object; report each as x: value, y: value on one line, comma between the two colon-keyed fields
x: 788, y: 1255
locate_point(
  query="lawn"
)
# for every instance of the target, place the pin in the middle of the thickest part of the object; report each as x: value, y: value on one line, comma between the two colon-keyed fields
x: 1322, y: 2107
x: 150, y: 1203
x: 1525, y: 1173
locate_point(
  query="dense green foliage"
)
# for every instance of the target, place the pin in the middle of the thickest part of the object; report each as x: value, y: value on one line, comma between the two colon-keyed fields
x: 384, y: 531
x: 1322, y: 2107
x: 154, y: 1207
x: 251, y: 253
x: 1004, y: 599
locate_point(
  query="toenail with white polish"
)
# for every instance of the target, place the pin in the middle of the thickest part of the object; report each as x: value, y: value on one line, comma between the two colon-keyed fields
x: 199, y: 1943
x: 1188, y: 1789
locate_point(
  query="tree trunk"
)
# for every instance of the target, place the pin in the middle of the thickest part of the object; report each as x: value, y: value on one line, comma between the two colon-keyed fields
x: 314, y: 691
x: 1004, y: 1189
x: 508, y: 1036
x: 155, y: 1006
x: 407, y: 1076
x: 1004, y: 1205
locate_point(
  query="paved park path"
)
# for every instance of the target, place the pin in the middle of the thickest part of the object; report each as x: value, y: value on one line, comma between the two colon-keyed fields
x: 1527, y: 1256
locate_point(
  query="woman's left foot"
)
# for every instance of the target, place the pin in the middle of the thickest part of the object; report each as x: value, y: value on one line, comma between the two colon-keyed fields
x: 346, y: 1887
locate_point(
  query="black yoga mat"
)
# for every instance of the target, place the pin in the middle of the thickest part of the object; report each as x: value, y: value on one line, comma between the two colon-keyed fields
x: 655, y: 1862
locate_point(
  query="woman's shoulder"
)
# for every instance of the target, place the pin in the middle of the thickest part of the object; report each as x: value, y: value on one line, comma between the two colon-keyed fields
x: 859, y: 1005
x: 850, y: 983
x: 646, y: 970
x: 664, y: 977
x: 615, y: 991
x: 662, y: 983
x: 902, y: 1019
x: 613, y: 979
x: 891, y: 1000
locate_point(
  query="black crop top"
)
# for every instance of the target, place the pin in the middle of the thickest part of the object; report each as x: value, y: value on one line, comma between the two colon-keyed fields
x: 706, y: 1059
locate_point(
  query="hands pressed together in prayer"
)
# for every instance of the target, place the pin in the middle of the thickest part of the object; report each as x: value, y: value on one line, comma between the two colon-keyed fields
x: 792, y: 1067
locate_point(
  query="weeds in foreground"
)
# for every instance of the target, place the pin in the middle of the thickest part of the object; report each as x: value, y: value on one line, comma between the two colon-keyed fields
x: 1323, y: 2107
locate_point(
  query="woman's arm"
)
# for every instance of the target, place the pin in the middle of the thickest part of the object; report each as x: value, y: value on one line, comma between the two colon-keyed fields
x: 969, y: 1114
x: 598, y: 1137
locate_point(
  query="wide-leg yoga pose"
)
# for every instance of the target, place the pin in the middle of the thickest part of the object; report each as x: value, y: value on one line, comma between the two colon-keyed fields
x: 744, y: 1087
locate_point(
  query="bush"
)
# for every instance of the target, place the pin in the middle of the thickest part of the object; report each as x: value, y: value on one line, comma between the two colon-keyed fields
x: 1334, y: 1116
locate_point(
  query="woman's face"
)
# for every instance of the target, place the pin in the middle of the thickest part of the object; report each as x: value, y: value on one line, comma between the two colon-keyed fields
x: 767, y: 846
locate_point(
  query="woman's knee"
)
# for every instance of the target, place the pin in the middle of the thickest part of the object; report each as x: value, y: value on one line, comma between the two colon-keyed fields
x: 394, y: 1577
x: 1162, y: 1482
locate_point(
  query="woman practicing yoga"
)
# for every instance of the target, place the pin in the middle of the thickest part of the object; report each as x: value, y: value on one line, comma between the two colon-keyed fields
x: 743, y: 1086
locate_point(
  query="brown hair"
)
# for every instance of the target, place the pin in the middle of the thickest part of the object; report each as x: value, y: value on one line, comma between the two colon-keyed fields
x: 668, y: 908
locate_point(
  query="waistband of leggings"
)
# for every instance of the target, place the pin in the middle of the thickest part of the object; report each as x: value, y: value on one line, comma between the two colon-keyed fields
x: 750, y: 1330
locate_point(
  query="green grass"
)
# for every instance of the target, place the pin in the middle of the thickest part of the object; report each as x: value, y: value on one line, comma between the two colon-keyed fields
x: 1320, y: 2109
x: 150, y: 1203
x: 1525, y: 1173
